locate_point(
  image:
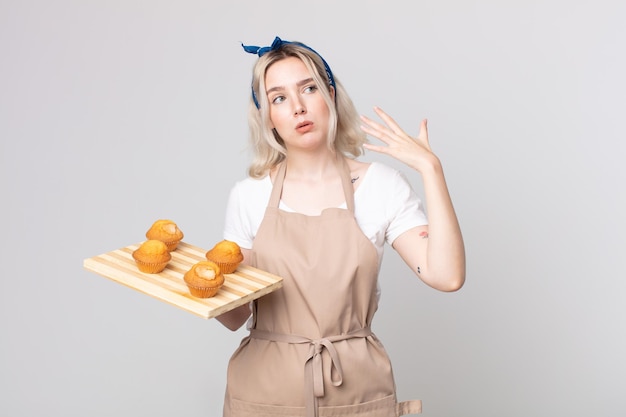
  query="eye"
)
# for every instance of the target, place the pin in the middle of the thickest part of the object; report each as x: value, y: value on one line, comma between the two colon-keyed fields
x: 277, y: 99
x: 310, y: 88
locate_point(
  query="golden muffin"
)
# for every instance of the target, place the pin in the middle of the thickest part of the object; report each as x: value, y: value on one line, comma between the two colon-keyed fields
x: 227, y: 255
x: 152, y: 256
x: 167, y: 232
x: 204, y: 279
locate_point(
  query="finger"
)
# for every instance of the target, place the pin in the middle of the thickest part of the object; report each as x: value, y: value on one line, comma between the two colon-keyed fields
x: 377, y: 133
x: 376, y: 148
x: 375, y: 126
x: 423, y: 133
x: 389, y: 121
x: 377, y: 130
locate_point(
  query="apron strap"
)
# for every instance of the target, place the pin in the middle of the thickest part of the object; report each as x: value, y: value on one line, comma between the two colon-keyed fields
x: 277, y: 188
x: 409, y: 407
x: 313, y: 369
x: 346, y: 183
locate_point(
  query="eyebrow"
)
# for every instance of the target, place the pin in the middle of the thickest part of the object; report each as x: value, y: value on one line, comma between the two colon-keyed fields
x: 299, y: 84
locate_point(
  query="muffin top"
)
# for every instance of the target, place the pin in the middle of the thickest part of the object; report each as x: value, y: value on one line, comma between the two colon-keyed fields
x: 226, y: 250
x: 205, y: 273
x: 165, y: 230
x: 152, y: 250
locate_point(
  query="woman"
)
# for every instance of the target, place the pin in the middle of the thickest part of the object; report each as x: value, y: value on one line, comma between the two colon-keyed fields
x: 313, y: 214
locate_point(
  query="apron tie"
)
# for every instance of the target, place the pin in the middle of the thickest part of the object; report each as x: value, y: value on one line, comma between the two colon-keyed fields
x: 313, y: 366
x: 315, y: 358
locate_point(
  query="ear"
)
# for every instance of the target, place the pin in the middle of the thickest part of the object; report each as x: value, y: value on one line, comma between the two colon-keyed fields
x: 331, y: 90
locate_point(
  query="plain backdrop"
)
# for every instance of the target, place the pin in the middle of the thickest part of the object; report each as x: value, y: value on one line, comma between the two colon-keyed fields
x: 116, y: 113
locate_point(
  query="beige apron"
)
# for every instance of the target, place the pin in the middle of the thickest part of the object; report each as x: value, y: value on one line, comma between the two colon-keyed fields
x: 311, y: 351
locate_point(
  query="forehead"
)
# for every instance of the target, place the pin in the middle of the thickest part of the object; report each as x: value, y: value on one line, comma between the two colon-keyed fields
x: 287, y: 71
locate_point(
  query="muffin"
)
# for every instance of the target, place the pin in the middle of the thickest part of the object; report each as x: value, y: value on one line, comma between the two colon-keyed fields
x: 204, y: 279
x: 167, y: 232
x: 152, y: 256
x: 227, y: 255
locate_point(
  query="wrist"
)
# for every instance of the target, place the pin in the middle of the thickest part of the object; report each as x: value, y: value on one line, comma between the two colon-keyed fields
x: 430, y: 165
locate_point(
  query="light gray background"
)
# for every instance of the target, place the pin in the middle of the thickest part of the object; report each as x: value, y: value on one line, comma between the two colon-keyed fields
x: 116, y: 113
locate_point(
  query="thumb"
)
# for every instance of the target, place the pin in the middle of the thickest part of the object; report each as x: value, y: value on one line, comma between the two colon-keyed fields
x: 423, y: 132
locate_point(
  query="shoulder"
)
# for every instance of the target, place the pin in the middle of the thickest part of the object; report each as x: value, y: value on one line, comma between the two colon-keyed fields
x: 384, y: 169
x: 378, y: 174
x: 382, y: 187
x: 252, y: 185
x: 250, y: 192
x: 387, y: 188
x: 244, y: 211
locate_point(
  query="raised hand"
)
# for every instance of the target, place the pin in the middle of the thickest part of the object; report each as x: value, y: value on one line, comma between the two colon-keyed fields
x: 415, y: 152
x: 438, y: 260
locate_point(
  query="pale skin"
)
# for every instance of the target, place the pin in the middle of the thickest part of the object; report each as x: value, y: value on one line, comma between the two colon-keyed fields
x: 437, y: 249
x: 435, y: 253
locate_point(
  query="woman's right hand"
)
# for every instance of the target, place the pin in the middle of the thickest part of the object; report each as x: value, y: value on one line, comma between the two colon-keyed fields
x: 236, y: 317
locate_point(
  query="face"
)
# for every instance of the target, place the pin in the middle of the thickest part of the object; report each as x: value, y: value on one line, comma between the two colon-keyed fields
x: 298, y: 111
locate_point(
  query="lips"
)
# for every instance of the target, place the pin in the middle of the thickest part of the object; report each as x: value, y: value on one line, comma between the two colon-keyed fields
x: 304, y: 127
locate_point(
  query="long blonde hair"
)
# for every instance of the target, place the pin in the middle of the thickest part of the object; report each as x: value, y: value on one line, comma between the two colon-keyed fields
x: 344, y: 132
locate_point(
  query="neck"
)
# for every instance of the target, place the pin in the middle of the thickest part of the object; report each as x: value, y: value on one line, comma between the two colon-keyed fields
x: 308, y: 167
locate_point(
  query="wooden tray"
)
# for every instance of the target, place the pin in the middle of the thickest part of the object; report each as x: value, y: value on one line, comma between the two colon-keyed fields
x: 242, y: 286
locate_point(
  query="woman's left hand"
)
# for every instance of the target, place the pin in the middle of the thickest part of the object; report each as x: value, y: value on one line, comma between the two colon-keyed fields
x: 436, y: 252
x: 415, y: 152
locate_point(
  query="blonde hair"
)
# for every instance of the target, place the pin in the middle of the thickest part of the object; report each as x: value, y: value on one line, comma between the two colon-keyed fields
x: 344, y: 132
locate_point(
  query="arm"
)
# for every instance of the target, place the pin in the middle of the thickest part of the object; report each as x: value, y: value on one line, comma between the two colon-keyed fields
x: 235, y: 318
x: 435, y: 252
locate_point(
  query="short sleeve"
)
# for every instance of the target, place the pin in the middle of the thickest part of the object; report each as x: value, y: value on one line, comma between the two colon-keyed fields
x: 406, y: 210
x: 237, y: 226
x: 245, y: 209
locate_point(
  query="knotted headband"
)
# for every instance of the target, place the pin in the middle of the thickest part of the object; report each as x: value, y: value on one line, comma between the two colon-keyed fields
x: 260, y: 51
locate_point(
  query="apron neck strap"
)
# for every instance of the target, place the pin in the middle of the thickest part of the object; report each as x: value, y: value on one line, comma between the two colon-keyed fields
x: 277, y: 188
x: 346, y: 183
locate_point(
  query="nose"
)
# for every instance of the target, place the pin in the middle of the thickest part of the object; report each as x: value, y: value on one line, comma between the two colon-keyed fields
x: 299, y: 108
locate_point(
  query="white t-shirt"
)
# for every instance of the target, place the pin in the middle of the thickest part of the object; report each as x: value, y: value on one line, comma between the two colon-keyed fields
x: 385, y: 207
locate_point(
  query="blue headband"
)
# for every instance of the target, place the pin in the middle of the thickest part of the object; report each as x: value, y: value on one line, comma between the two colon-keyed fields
x: 260, y: 51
